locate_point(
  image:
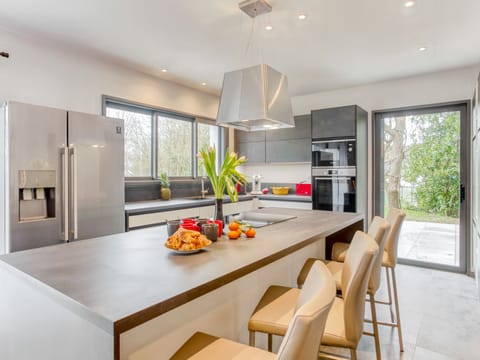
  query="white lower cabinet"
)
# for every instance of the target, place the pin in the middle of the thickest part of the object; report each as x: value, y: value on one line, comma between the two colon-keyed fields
x: 157, y: 218
x: 285, y: 204
x: 160, y: 217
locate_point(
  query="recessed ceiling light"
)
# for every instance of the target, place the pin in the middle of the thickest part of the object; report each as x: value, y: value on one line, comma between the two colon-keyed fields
x: 422, y: 48
x: 267, y: 126
x: 204, y: 84
x: 269, y: 27
x: 409, y: 3
x: 302, y: 17
x: 164, y: 70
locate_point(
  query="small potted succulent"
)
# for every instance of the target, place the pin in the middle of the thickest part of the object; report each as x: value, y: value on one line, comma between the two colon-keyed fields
x: 165, y: 192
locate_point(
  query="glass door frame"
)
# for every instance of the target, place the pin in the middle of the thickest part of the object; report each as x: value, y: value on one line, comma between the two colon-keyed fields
x: 465, y: 164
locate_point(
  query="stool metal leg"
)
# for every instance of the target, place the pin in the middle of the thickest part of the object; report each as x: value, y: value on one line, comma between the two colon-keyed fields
x: 389, y: 286
x: 251, y: 338
x: 397, y: 309
x: 353, y: 354
x: 375, y: 327
x: 270, y: 342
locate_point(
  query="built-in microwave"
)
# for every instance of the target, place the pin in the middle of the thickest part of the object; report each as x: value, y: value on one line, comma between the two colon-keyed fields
x: 328, y: 153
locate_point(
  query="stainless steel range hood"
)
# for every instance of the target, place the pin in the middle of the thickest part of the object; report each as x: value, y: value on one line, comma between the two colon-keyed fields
x: 255, y: 98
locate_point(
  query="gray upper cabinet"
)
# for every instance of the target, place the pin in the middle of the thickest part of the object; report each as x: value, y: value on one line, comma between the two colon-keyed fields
x: 301, y: 130
x: 249, y: 136
x: 251, y: 144
x: 282, y: 145
x: 290, y: 145
x: 253, y: 151
x: 295, y: 150
x: 334, y: 122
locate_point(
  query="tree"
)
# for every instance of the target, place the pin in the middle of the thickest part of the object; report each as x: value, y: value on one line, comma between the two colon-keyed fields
x: 394, y: 154
x: 432, y: 163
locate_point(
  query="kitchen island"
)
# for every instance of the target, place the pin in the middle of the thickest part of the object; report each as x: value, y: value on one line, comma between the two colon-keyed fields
x: 126, y: 296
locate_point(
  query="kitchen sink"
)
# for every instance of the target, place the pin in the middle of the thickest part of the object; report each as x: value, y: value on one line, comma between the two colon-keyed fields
x: 199, y: 197
x: 258, y: 220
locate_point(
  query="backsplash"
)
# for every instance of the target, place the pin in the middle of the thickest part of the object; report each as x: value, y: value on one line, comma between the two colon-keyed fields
x: 279, y: 173
x: 272, y: 175
x: 150, y: 190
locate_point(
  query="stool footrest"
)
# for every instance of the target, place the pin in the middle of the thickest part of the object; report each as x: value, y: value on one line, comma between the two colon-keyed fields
x: 387, y: 324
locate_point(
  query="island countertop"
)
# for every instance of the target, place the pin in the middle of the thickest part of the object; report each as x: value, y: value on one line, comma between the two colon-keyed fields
x: 121, y: 281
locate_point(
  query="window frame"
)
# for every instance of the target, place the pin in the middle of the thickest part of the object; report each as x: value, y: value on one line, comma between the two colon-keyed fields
x: 155, y: 112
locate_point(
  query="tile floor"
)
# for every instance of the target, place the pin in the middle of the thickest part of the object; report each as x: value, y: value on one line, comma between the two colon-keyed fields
x: 430, y: 242
x: 440, y: 314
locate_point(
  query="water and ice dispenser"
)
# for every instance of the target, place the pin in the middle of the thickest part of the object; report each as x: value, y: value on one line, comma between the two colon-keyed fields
x: 36, y: 194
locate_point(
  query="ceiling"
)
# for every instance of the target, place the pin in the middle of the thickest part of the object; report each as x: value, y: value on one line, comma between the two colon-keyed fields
x: 342, y: 43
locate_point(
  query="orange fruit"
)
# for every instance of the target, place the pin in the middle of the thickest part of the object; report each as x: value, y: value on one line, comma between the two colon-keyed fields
x: 233, y: 234
x: 250, y: 233
x: 234, y: 226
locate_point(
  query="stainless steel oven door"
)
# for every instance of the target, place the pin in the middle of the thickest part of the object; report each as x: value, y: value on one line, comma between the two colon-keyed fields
x: 334, y: 193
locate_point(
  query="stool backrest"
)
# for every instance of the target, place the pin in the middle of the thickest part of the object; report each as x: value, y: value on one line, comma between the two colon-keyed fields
x: 355, y: 274
x: 378, y: 230
x: 395, y: 217
x: 302, y: 340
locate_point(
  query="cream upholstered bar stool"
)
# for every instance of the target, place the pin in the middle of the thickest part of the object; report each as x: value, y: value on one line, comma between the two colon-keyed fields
x: 303, y: 335
x: 345, y: 320
x: 395, y: 218
x: 378, y: 230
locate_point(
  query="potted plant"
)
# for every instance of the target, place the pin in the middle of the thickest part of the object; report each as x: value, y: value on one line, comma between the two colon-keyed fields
x: 165, y: 192
x: 226, y: 179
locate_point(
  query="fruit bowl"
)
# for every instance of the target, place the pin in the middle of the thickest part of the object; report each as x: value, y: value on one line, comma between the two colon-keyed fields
x: 280, y: 190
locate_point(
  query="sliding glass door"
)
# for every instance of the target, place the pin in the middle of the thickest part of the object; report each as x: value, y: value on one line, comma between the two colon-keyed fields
x: 421, y: 166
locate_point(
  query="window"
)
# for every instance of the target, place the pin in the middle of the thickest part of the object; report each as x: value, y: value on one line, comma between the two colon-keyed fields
x: 158, y: 141
x: 138, y: 140
x: 207, y: 135
x: 175, y: 140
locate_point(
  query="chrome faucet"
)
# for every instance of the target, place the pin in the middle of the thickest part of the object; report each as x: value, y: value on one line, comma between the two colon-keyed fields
x: 203, y: 187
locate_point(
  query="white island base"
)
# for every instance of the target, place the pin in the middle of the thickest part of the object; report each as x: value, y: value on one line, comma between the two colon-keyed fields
x: 223, y: 312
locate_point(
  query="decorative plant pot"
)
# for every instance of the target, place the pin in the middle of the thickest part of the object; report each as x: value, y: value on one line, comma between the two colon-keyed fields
x: 165, y: 193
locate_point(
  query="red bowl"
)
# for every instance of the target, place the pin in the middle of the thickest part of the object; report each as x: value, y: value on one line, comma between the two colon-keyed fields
x: 190, y: 227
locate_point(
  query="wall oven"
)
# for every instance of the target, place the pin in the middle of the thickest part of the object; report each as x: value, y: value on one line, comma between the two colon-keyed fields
x: 333, y: 153
x: 334, y: 189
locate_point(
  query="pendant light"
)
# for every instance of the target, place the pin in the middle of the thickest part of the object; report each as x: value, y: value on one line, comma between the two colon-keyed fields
x: 255, y: 98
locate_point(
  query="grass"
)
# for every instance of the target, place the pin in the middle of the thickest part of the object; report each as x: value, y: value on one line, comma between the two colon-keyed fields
x: 420, y: 215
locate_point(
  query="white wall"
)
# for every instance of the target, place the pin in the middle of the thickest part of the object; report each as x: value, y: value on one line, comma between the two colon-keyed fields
x: 418, y: 90
x: 46, y: 74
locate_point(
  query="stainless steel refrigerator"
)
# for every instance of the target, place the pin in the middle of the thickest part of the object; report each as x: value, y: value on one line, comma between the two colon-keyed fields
x: 61, y: 176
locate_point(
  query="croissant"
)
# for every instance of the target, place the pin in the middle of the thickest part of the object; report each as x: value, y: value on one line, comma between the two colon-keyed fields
x: 187, y: 240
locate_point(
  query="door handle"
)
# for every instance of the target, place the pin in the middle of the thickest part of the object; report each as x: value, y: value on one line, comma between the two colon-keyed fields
x: 462, y: 193
x: 65, y: 225
x: 73, y: 154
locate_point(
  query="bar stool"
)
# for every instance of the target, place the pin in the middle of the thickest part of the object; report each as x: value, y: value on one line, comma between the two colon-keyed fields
x: 378, y: 230
x: 345, y: 321
x: 302, y: 338
x: 395, y: 218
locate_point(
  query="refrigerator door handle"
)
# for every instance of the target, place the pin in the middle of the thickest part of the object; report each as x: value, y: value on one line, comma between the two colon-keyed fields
x: 64, y: 155
x: 73, y: 155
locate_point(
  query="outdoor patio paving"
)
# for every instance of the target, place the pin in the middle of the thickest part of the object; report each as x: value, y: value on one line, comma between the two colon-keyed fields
x: 430, y: 242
